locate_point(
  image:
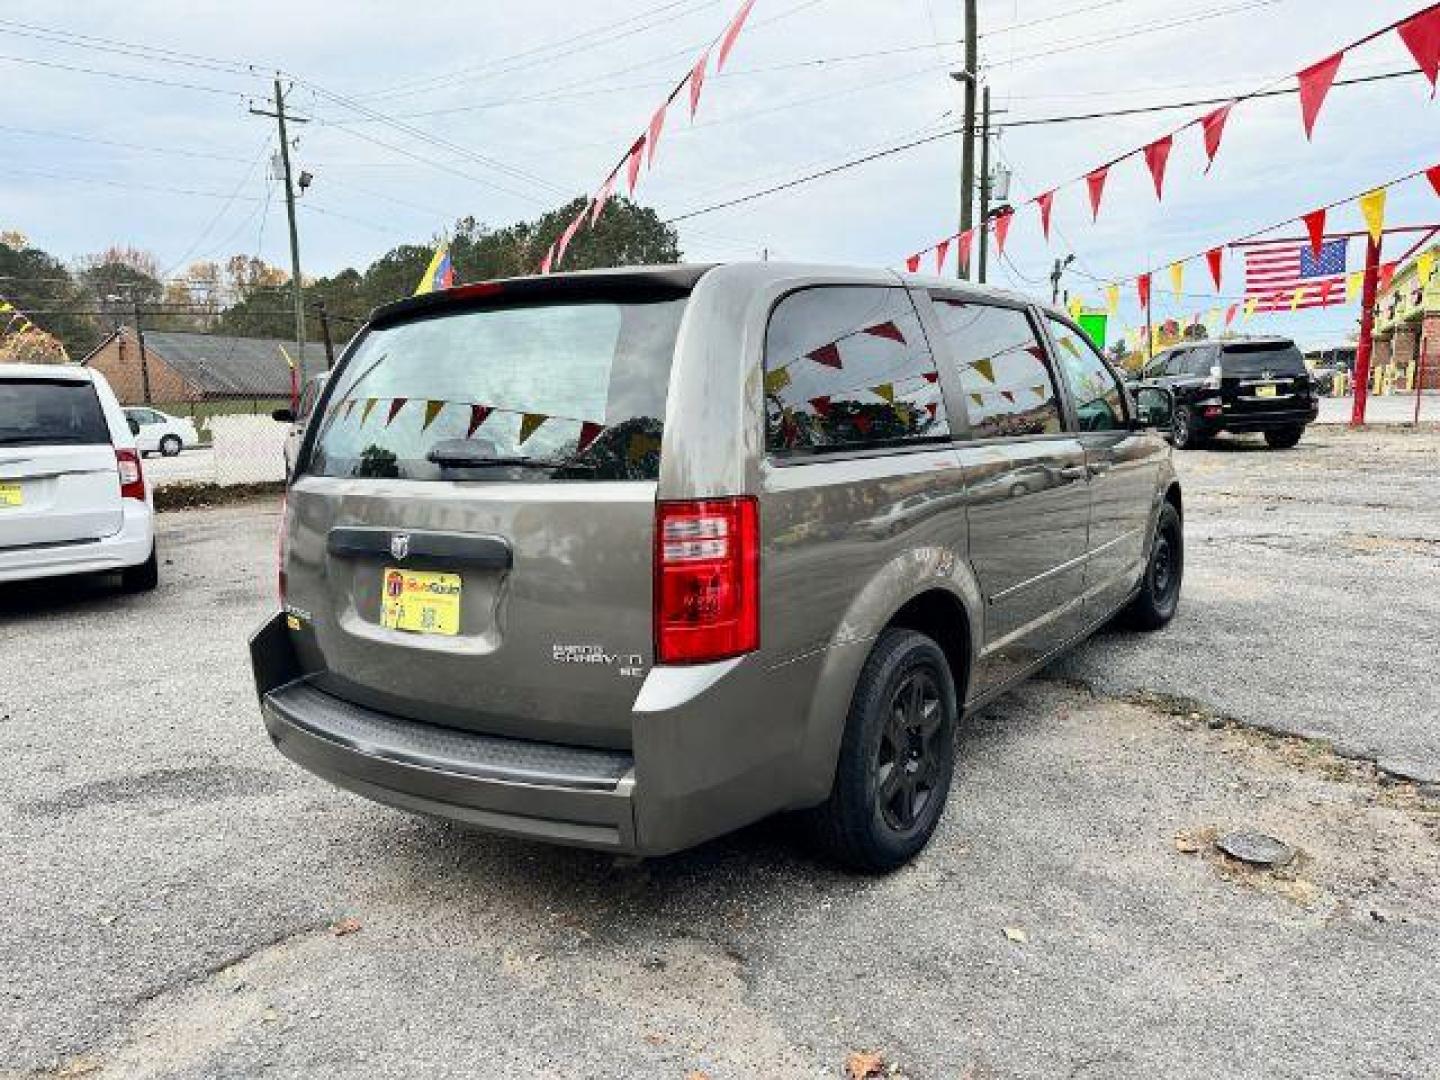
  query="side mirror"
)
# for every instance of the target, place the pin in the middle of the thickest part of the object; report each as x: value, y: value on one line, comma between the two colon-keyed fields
x: 1154, y: 407
x: 133, y: 425
x: 285, y: 416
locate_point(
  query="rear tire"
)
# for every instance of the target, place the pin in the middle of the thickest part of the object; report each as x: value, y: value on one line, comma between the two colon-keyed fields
x: 142, y: 578
x: 170, y: 445
x: 1283, y: 438
x: 1159, y: 595
x: 1183, y: 434
x: 897, y: 757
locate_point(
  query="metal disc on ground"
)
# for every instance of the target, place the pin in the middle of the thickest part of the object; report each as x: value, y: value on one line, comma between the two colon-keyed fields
x: 1255, y: 848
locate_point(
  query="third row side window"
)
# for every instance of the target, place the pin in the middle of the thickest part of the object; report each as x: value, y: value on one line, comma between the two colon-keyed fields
x: 848, y: 366
x: 1001, y: 363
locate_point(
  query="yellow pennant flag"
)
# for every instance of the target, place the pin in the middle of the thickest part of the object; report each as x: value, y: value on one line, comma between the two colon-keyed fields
x: 530, y: 423
x: 1250, y: 304
x: 986, y: 368
x: 367, y: 409
x: 776, y: 380
x: 1372, y: 206
x: 1112, y: 298
x: 1295, y: 297
x: 1425, y: 266
x: 979, y: 399
x: 1354, y: 282
x: 1177, y: 278
x: 1076, y: 307
x: 886, y: 391
x: 5, y: 305
x: 432, y: 410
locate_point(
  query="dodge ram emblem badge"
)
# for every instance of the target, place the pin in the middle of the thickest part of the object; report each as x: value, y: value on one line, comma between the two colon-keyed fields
x: 400, y: 545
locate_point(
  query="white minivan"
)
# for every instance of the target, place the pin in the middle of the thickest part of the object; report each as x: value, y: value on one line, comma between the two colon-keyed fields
x: 73, y: 496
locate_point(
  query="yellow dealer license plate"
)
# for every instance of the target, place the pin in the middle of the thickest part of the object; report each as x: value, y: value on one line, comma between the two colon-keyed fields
x: 10, y: 495
x: 1265, y: 391
x: 418, y: 600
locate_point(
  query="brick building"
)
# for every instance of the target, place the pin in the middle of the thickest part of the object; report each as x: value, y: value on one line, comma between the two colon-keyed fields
x: 1407, y: 328
x: 198, y: 368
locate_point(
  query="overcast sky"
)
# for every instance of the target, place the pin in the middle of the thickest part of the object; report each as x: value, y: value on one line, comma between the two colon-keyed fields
x: 537, y: 100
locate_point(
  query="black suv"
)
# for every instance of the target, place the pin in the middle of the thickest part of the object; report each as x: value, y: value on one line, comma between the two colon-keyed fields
x: 1259, y: 384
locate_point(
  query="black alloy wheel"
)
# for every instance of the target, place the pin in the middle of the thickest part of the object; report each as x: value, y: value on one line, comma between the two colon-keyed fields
x: 907, y: 761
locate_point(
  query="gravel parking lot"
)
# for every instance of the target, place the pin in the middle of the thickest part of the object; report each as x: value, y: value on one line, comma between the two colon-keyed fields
x: 179, y: 901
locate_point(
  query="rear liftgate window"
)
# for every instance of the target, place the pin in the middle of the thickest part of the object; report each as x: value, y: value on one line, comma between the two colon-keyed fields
x: 848, y: 368
x: 35, y: 412
x: 1262, y: 359
x: 570, y: 391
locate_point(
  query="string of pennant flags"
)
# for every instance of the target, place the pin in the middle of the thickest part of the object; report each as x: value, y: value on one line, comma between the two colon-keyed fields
x: 1419, y: 32
x: 14, y: 320
x: 643, y: 149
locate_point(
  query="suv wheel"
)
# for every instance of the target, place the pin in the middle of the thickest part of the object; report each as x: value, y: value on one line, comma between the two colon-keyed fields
x: 1159, y: 595
x: 170, y: 445
x: 142, y: 578
x: 1283, y: 438
x: 897, y: 757
x: 1183, y: 433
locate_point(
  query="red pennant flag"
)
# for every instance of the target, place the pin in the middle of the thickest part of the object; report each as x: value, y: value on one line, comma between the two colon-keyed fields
x: 632, y: 167
x: 1095, y: 182
x: 1008, y: 395
x: 1325, y: 287
x: 548, y: 260
x: 1230, y: 313
x: 652, y: 143
x: 602, y: 197
x: 569, y: 234
x: 942, y: 250
x: 967, y: 238
x: 589, y: 432
x: 1213, y: 126
x: 931, y: 409
x: 1387, y: 275
x: 1156, y: 155
x: 1315, y: 225
x: 931, y: 376
x: 478, y: 415
x: 821, y: 404
x: 1421, y: 35
x: 1142, y: 287
x: 886, y: 329
x: 1045, y: 202
x: 1002, y: 230
x: 697, y: 80
x: 913, y: 264
x: 731, y: 33
x: 1036, y: 351
x: 395, y: 406
x: 863, y: 422
x: 1433, y: 175
x: 1315, y: 83
x: 1213, y: 257
x: 829, y: 355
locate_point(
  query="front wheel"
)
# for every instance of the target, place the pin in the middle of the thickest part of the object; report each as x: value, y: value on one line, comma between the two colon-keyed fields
x: 1159, y: 595
x: 1283, y: 438
x: 897, y: 757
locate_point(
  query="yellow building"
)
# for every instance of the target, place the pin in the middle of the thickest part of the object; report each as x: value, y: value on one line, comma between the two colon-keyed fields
x: 1407, y: 325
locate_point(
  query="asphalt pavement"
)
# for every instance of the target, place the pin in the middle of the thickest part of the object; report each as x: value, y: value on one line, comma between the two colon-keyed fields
x: 176, y: 900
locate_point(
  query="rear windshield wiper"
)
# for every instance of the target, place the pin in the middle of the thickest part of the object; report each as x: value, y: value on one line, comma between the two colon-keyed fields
x: 476, y: 458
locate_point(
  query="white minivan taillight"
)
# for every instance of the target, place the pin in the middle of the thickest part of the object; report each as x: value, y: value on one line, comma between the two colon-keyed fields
x: 707, y: 580
x: 132, y: 477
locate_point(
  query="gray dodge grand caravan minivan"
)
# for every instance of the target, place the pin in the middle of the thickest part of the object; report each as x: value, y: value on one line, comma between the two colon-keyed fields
x: 627, y: 559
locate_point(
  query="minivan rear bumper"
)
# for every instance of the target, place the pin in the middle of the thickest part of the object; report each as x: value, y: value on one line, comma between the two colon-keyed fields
x: 562, y: 794
x: 130, y: 546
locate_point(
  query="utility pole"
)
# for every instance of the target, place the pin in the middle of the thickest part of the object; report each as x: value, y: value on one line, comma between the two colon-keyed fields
x: 967, y: 128
x: 1367, y: 330
x: 280, y: 118
x: 140, y: 341
x: 325, y: 333
x: 1056, y: 272
x: 984, y: 181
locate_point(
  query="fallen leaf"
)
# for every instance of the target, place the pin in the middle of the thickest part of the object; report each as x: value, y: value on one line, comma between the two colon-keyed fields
x: 863, y: 1064
x: 1015, y: 934
x: 1185, y: 843
x: 697, y: 1075
x: 347, y: 925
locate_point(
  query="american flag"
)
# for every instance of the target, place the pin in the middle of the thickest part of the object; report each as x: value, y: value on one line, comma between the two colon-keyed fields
x: 1274, y: 271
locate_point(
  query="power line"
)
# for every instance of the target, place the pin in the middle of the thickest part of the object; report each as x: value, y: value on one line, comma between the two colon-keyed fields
x: 151, y: 52
x: 124, y: 185
x: 125, y: 76
x: 74, y: 137
x: 1034, y: 121
x: 250, y: 171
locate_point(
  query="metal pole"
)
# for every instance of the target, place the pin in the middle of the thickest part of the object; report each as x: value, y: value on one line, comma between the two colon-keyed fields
x: 967, y: 130
x: 294, y: 235
x: 144, y: 359
x: 325, y: 333
x: 984, y: 181
x: 1367, y: 329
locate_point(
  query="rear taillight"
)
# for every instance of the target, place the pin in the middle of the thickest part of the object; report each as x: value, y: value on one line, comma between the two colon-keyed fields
x: 281, y: 547
x: 707, y: 580
x: 132, y: 477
